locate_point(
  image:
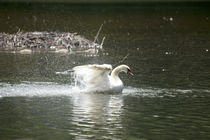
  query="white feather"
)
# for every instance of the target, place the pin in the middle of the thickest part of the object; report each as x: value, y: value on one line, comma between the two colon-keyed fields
x: 99, y: 78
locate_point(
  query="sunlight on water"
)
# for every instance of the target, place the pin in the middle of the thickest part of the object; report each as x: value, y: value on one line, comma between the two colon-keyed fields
x: 89, y: 115
x: 168, y: 97
x: 43, y: 89
x: 88, y: 111
x: 91, y: 110
x: 31, y: 89
x: 163, y: 92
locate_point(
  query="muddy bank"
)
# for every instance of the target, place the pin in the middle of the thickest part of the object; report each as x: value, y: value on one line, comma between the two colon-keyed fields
x: 59, y: 42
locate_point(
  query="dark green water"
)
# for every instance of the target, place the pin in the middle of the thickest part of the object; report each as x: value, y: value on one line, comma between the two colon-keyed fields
x: 168, y: 98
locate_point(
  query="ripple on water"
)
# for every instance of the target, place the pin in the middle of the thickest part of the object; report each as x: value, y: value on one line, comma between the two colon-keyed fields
x: 102, y: 116
x: 164, y: 92
x: 41, y: 89
x: 31, y: 89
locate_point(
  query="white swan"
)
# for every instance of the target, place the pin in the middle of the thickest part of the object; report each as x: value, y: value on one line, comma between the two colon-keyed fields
x: 100, y: 78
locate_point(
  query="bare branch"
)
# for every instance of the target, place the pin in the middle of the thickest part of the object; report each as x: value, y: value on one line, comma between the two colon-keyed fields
x: 121, y: 61
x: 102, y: 42
x: 96, y: 37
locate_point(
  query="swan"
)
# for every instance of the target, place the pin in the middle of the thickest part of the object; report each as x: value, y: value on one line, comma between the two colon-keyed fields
x: 100, y: 78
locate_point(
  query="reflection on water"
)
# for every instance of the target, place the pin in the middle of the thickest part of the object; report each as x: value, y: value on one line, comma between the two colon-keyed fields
x: 45, y: 89
x: 61, y: 111
x: 168, y: 98
x: 91, y: 115
x: 96, y: 116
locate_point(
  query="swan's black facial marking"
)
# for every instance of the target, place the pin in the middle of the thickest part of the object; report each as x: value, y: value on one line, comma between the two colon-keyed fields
x: 129, y: 72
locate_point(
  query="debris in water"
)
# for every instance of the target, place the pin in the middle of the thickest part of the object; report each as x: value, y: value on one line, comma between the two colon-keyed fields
x: 25, y: 51
x: 171, y: 19
x: 64, y: 42
x: 62, y: 51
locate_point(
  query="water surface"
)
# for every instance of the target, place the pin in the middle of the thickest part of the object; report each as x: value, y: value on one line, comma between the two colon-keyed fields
x: 168, y: 98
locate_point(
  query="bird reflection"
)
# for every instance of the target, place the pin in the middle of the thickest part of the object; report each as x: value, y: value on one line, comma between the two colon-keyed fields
x: 94, y: 114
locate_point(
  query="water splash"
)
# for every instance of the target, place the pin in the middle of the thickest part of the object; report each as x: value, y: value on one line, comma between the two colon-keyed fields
x: 164, y: 92
x: 43, y: 89
x: 40, y: 89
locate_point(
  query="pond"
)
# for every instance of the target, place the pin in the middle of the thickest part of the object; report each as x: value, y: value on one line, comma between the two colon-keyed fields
x: 167, y: 49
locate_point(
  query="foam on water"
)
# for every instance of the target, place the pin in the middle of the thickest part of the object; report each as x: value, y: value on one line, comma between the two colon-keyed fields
x: 164, y: 92
x: 36, y: 89
x: 42, y: 89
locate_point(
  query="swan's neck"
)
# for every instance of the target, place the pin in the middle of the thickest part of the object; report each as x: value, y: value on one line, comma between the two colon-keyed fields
x: 116, y: 72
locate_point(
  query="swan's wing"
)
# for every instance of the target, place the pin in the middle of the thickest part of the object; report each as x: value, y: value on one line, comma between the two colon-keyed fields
x: 92, y: 75
x: 94, y: 69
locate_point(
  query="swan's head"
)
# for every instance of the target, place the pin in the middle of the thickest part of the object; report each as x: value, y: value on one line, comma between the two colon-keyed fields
x: 129, y: 72
x: 124, y: 68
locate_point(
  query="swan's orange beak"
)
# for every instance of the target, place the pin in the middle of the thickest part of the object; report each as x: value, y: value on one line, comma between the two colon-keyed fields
x: 130, y: 73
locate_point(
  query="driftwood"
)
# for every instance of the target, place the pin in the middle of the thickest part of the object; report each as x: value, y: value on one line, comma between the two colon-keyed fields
x: 47, y: 40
